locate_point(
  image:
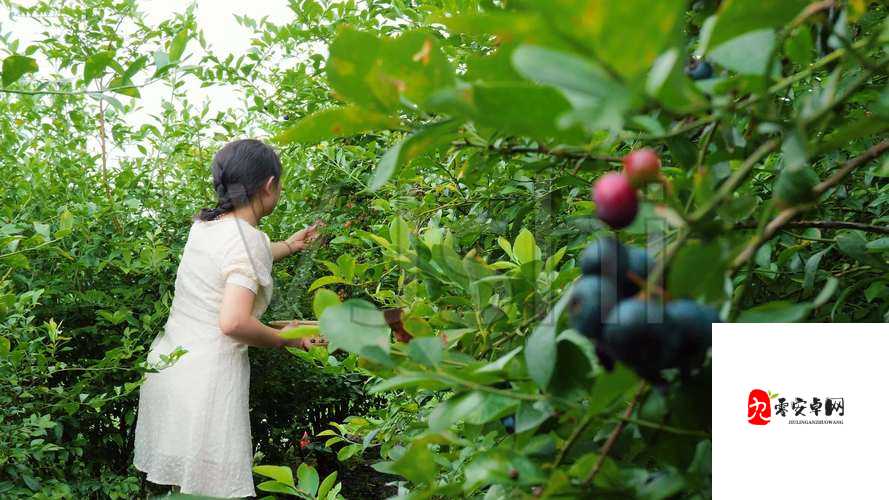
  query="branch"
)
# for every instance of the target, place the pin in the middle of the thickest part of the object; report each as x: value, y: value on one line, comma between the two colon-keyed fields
x: 728, y: 187
x: 785, y: 216
x: 77, y: 92
x: 823, y: 224
x: 541, y: 149
x: 612, y: 438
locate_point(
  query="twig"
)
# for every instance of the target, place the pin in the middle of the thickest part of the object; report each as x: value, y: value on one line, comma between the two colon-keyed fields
x: 787, y: 214
x: 728, y: 187
x: 823, y: 224
x: 612, y: 438
x: 541, y: 149
x: 664, y: 427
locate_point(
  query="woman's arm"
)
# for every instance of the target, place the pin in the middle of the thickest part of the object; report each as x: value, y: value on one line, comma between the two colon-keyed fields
x: 237, y: 321
x: 296, y: 242
x: 280, y: 249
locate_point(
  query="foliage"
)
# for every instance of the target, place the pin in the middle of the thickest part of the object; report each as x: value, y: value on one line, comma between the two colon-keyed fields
x: 452, y: 147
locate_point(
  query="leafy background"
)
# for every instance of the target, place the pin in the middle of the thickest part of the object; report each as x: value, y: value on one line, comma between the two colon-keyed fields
x: 450, y: 146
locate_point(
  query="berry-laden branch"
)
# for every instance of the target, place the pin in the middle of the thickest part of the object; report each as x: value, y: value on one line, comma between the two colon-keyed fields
x: 612, y: 438
x: 785, y: 216
x: 823, y: 224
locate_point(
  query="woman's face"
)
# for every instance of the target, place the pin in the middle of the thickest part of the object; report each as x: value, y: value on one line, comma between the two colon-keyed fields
x: 271, y: 193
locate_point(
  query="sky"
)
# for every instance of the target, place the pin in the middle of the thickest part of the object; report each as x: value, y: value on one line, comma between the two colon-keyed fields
x: 216, y: 18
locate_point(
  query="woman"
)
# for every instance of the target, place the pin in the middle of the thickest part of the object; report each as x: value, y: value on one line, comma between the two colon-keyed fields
x: 193, y: 427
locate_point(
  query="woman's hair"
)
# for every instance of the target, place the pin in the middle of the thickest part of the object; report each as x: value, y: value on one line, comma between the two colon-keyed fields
x: 240, y: 169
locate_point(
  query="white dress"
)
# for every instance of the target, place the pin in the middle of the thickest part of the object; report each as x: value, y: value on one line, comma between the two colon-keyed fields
x: 193, y: 425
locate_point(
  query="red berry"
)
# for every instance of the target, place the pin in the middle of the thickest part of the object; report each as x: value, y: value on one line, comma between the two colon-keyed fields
x: 642, y: 166
x: 616, y: 202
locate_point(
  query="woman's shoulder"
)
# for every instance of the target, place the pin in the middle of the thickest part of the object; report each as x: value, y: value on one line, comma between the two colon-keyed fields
x: 235, y: 231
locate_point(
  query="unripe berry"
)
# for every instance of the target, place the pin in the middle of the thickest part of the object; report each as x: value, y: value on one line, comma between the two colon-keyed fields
x: 616, y: 202
x: 642, y: 166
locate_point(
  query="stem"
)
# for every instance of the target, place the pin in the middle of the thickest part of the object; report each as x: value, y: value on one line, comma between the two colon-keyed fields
x: 541, y: 149
x: 35, y: 247
x: 787, y: 214
x: 77, y: 92
x: 612, y: 438
x: 823, y: 224
x: 728, y: 187
x: 663, y: 427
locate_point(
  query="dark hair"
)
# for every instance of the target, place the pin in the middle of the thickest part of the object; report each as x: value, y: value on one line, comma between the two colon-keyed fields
x: 240, y: 169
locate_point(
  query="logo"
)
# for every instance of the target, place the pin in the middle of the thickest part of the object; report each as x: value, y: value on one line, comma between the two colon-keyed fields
x: 812, y: 410
x: 759, y: 409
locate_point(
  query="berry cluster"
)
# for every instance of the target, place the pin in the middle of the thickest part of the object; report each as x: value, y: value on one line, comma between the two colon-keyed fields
x: 647, y: 334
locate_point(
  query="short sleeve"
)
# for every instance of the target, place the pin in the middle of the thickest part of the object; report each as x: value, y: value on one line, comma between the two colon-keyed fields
x: 246, y: 257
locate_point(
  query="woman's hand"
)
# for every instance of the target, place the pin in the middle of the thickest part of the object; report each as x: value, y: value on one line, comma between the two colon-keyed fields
x: 303, y: 342
x: 301, y: 239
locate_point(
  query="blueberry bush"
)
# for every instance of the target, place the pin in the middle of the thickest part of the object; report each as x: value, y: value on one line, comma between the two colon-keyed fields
x: 536, y: 212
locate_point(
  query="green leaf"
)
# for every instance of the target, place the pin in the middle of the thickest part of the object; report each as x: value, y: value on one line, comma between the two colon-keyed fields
x: 16, y: 66
x: 353, y: 55
x: 609, y: 385
x: 426, y: 351
x: 854, y: 244
x: 177, y: 46
x: 521, y: 109
x: 601, y: 28
x: 325, y: 280
x: 799, y: 47
x: 124, y: 87
x: 697, y: 271
x: 812, y: 264
x: 276, y: 472
x: 878, y: 245
x: 412, y: 67
x: 531, y: 414
x: 780, y: 311
x: 736, y: 17
x: 381, y: 73
x: 335, y: 122
x: 299, y: 332
x: 592, y: 92
x: 399, y: 234
x: 273, y: 487
x: 95, y: 65
x: 161, y: 61
x: 500, y: 363
x: 452, y: 410
x: 326, y: 485
x: 417, y: 464
x: 353, y: 325
x: 323, y: 299
x: 424, y: 140
x: 747, y: 54
x: 524, y: 247
x: 408, y: 380
x: 5, y: 346
x: 540, y: 349
x: 308, y: 478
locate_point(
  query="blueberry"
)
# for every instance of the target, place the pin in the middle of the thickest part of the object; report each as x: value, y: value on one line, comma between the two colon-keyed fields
x: 694, y: 321
x: 639, y: 262
x: 591, y: 300
x: 508, y: 422
x: 699, y: 69
x: 604, y: 257
x: 638, y: 334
